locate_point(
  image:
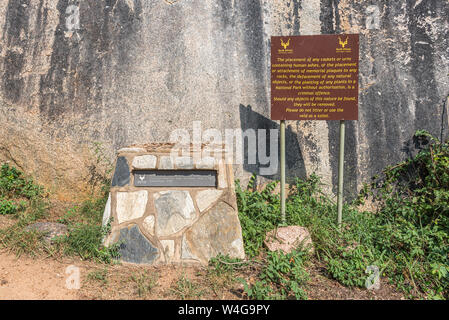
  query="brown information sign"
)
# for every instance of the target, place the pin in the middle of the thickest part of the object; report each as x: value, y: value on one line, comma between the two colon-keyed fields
x: 315, y: 77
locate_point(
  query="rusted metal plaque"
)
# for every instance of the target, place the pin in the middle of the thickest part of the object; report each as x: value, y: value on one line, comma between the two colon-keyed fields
x: 315, y: 77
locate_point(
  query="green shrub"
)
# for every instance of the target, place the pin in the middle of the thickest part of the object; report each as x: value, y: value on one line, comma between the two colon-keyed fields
x: 283, y: 277
x: 13, y: 183
x: 7, y: 207
x: 258, y: 213
x: 413, y: 219
x: 85, y: 240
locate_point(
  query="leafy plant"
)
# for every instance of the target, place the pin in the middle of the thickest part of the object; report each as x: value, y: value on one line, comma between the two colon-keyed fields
x: 13, y: 183
x: 258, y: 213
x: 283, y: 276
x: 413, y: 217
x: 7, y: 207
x: 407, y: 238
x: 85, y: 240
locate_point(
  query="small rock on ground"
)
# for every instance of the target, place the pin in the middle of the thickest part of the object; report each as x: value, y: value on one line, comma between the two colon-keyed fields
x: 49, y: 229
x: 288, y: 238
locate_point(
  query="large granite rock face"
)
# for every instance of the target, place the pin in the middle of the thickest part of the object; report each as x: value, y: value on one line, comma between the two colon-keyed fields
x: 214, y: 233
x: 132, y: 71
x: 135, y: 248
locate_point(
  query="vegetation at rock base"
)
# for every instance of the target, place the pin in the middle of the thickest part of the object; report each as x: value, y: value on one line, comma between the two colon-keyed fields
x: 26, y: 202
x: 407, y: 238
x: 86, y: 232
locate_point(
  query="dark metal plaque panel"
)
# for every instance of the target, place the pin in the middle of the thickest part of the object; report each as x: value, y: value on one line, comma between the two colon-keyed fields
x: 175, y: 178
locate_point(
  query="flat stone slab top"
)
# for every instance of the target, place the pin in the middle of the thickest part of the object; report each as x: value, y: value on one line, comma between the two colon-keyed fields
x: 144, y: 162
x: 158, y: 218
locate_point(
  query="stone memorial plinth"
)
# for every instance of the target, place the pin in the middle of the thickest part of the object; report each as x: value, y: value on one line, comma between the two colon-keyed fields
x: 173, y: 208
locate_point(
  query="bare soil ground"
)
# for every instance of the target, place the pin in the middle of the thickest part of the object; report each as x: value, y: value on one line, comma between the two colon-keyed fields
x: 45, y: 278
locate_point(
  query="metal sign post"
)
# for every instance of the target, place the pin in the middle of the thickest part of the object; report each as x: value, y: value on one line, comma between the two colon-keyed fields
x: 283, y: 171
x: 341, y: 160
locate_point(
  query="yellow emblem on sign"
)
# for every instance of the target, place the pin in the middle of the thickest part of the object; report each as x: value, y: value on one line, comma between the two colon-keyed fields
x: 343, y: 45
x: 285, y: 45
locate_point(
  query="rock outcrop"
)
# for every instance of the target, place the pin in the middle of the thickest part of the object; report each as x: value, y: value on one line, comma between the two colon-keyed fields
x: 75, y: 74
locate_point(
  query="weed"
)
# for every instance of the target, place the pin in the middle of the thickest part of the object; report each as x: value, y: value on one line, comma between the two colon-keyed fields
x: 221, y: 272
x: 144, y: 282
x: 8, y: 207
x: 86, y: 232
x: 85, y: 240
x: 13, y: 183
x: 18, y: 239
x: 99, y: 275
x: 184, y: 288
x: 258, y: 213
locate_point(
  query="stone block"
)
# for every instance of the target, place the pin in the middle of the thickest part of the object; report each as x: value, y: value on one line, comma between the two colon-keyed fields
x: 121, y: 174
x: 216, y: 232
x: 186, y: 253
x: 206, y: 163
x: 169, y: 249
x: 184, y: 163
x: 131, y: 205
x: 107, y: 211
x: 175, y: 210
x: 131, y: 150
x: 222, y: 183
x: 144, y: 162
x: 166, y: 163
x: 206, y: 198
x: 135, y: 248
x: 148, y: 224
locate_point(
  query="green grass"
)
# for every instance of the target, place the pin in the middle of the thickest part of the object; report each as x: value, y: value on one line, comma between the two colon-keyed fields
x: 86, y: 231
x: 25, y: 201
